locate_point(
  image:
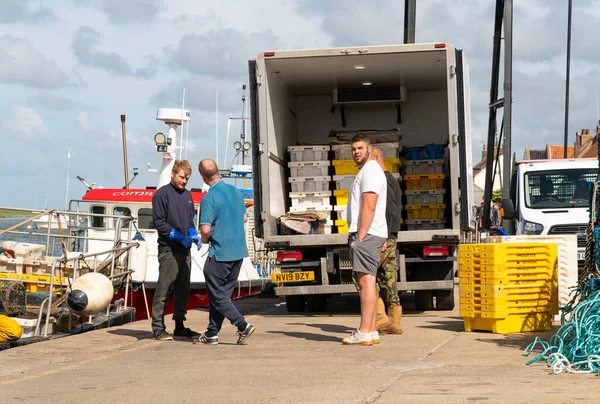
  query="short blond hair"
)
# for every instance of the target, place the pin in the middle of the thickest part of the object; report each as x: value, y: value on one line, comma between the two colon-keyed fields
x: 182, y: 165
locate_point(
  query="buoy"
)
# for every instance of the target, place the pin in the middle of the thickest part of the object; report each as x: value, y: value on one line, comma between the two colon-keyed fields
x: 138, y: 260
x: 90, y: 293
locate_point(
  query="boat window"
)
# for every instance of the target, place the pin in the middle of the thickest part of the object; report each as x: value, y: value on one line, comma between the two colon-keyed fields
x: 145, y: 219
x: 98, y: 221
x: 121, y: 211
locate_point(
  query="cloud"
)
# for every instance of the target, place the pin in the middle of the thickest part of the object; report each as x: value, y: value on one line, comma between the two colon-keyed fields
x: 222, y: 52
x: 22, y: 11
x: 26, y: 124
x: 21, y: 63
x: 132, y: 11
x: 85, y: 39
x: 53, y: 102
x: 200, y: 94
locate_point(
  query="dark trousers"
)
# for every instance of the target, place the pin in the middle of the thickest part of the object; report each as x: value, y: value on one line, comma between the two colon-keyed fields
x: 221, y: 278
x: 173, y: 275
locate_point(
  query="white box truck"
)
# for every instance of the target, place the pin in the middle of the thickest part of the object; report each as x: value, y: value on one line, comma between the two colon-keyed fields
x: 299, y: 97
x: 551, y: 197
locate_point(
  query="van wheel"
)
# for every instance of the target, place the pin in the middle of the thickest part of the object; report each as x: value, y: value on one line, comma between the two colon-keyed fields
x: 316, y: 303
x: 295, y: 303
x: 423, y: 300
x: 444, y: 299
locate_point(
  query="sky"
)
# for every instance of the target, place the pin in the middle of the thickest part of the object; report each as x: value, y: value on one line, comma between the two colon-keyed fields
x: 70, y: 68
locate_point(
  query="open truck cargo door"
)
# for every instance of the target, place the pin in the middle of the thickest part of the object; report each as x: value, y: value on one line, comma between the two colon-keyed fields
x: 256, y: 149
x: 467, y: 216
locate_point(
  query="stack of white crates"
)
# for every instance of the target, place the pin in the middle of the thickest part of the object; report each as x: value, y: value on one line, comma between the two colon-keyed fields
x: 309, y: 180
x: 343, y: 182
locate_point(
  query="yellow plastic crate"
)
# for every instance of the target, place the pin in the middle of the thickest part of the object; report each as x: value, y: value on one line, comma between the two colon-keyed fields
x: 424, y: 181
x: 341, y: 196
x: 349, y: 167
x: 507, y: 294
x: 482, y: 299
x: 416, y: 212
x: 342, y: 226
x: 513, y: 323
x: 497, y: 312
x: 501, y: 250
x: 30, y: 281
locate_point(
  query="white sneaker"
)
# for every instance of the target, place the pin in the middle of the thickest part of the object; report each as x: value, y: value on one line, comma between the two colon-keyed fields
x: 358, y: 338
x: 375, y: 337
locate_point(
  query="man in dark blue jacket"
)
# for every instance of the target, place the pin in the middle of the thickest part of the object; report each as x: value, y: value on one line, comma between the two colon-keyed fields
x: 173, y: 217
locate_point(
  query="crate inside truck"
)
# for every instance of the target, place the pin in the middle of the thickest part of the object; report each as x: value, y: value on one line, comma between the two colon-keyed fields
x: 306, y: 105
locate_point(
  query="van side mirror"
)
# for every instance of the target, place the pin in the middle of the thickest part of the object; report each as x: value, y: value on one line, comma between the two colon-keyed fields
x: 507, y: 209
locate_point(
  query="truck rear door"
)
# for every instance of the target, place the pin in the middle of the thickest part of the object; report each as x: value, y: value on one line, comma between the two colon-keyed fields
x: 467, y: 217
x: 256, y: 149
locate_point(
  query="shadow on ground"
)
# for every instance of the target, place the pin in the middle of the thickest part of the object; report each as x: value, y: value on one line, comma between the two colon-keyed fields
x: 308, y: 336
x: 139, y: 334
x: 451, y: 324
x: 332, y: 328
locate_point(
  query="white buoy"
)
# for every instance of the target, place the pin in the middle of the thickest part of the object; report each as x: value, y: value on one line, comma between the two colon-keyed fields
x: 90, y: 293
x: 138, y: 262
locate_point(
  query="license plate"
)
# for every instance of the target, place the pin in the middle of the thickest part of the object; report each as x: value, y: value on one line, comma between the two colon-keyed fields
x: 580, y: 256
x: 293, y: 277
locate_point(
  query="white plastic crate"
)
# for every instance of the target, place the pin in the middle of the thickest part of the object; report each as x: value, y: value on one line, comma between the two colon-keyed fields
x: 315, y: 208
x: 345, y: 181
x: 425, y: 197
x: 310, y: 198
x: 425, y: 224
x: 309, y: 184
x: 309, y: 168
x: 340, y: 212
x: 344, y: 151
x: 413, y: 167
x: 309, y: 153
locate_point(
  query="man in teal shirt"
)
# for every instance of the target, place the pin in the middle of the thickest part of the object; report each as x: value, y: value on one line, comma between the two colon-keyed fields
x: 222, y: 218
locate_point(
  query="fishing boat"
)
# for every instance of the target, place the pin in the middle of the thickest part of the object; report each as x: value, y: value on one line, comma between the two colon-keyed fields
x: 111, y: 229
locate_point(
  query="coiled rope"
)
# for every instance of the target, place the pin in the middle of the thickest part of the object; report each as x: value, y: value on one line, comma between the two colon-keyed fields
x: 575, y: 348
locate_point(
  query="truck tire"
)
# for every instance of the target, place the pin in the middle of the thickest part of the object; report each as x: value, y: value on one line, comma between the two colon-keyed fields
x: 316, y: 303
x: 295, y: 303
x: 444, y: 299
x: 423, y: 300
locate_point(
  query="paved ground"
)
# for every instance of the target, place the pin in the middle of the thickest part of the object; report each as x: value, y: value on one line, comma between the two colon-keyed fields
x: 290, y: 359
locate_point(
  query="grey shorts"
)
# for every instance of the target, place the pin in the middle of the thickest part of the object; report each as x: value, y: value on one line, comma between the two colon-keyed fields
x: 365, y: 254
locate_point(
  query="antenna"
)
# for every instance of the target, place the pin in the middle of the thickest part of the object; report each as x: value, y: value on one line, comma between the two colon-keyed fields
x: 67, y: 182
x: 217, y: 126
x: 597, y: 108
x: 182, y: 116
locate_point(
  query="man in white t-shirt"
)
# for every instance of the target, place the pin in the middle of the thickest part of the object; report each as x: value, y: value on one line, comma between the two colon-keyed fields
x: 367, y: 230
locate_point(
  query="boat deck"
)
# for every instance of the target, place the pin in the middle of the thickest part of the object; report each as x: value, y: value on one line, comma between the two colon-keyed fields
x: 290, y: 359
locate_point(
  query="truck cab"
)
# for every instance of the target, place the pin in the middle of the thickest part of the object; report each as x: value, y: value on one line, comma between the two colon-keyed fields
x: 551, y: 197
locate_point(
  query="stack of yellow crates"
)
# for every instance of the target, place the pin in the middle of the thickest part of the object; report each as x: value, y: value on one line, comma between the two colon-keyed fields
x: 508, y: 287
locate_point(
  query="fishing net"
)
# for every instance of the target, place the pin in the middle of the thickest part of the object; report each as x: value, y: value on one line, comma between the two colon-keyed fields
x: 13, y: 299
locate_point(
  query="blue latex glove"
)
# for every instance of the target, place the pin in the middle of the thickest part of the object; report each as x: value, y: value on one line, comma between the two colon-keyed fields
x: 195, y: 238
x: 186, y: 241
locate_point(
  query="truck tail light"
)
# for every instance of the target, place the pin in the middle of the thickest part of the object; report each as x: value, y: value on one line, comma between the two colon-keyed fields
x: 283, y: 256
x: 269, y: 54
x: 435, y: 251
x: 439, y: 45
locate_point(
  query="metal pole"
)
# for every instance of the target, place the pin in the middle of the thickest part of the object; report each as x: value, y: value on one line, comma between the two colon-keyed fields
x: 568, y: 77
x: 507, y: 169
x: 410, y: 15
x: 243, y: 133
x: 124, y: 132
x: 67, y: 180
x: 494, y: 105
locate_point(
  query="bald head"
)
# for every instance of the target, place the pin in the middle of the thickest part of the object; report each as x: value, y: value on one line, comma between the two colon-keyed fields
x: 209, y: 171
x: 377, y: 155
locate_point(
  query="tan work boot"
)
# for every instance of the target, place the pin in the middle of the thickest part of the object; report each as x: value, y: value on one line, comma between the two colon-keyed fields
x: 382, y: 320
x: 395, y: 327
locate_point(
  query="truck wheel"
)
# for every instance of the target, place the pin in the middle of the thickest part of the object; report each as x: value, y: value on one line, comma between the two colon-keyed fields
x: 444, y: 299
x: 423, y: 300
x: 295, y: 303
x: 316, y: 303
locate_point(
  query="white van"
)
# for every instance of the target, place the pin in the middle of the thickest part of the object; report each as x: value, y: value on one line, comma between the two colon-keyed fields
x: 551, y: 197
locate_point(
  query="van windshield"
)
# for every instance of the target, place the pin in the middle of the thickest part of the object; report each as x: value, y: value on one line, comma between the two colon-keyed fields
x: 559, y: 188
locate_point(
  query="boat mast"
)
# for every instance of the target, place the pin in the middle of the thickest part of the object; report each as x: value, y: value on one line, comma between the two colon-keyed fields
x: 67, y: 181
